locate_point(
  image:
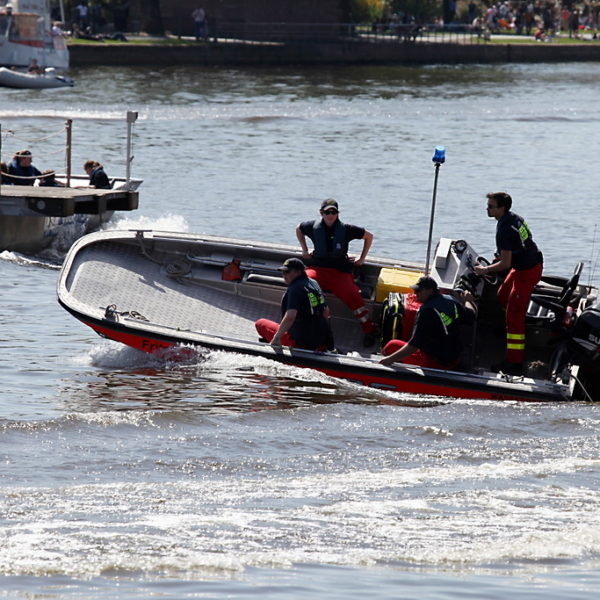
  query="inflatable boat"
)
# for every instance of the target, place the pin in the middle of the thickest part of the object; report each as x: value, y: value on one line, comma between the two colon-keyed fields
x: 153, y: 290
x: 19, y: 79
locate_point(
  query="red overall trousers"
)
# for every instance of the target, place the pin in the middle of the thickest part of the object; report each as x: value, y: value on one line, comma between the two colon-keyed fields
x: 514, y: 295
x: 418, y: 358
x: 342, y: 285
x: 267, y: 329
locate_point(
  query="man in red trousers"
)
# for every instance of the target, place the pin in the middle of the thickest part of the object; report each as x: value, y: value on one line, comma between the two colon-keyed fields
x: 518, y: 254
x: 329, y: 262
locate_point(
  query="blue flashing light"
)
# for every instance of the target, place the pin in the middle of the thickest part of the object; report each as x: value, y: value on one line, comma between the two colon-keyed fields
x: 439, y: 156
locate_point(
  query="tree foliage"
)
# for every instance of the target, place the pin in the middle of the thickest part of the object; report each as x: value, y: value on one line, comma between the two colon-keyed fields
x: 366, y: 11
x: 421, y: 10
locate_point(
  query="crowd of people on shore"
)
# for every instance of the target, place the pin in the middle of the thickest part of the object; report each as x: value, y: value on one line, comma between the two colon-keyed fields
x: 540, y: 18
x: 528, y: 17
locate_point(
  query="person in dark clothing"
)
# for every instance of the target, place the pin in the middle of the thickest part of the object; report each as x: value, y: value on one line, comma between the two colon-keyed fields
x: 435, y: 340
x: 305, y: 314
x: 330, y: 264
x: 4, y: 177
x: 517, y: 253
x: 48, y: 179
x: 21, y: 169
x: 98, y: 178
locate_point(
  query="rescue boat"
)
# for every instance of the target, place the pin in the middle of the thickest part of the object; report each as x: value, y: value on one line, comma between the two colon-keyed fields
x: 153, y: 290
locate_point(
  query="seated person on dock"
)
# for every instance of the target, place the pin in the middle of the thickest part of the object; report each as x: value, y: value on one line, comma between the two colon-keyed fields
x: 305, y: 314
x: 48, y: 179
x: 435, y: 341
x: 21, y: 170
x: 4, y: 178
x: 98, y: 178
x: 330, y: 264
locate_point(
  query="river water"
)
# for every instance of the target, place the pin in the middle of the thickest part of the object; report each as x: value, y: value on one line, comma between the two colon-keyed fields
x: 124, y: 476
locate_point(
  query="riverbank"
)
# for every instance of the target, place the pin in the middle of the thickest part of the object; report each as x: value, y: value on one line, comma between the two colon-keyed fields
x: 306, y: 53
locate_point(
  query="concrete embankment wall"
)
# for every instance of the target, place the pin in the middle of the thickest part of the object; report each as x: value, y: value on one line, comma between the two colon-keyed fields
x: 326, y: 53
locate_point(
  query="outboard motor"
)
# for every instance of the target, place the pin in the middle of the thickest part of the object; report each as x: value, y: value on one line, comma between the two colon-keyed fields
x: 584, y: 350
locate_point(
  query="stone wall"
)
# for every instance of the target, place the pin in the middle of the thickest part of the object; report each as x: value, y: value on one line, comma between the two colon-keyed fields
x: 325, y: 53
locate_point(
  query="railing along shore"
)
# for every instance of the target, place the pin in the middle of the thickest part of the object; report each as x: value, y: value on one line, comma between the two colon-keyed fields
x: 394, y: 33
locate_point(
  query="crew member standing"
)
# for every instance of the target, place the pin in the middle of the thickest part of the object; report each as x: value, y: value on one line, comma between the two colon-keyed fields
x: 305, y: 314
x: 517, y: 253
x: 435, y: 340
x: 330, y: 264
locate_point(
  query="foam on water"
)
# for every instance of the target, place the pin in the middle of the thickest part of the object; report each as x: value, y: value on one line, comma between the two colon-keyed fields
x: 64, y: 113
x: 28, y: 261
x: 168, y: 222
x: 348, y: 519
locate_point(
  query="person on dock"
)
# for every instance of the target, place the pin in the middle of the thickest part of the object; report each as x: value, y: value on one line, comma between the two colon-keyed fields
x: 98, y: 178
x: 199, y: 16
x: 305, y: 314
x: 330, y: 264
x: 20, y: 169
x: 4, y: 177
x: 435, y: 341
x: 517, y: 253
x: 48, y: 179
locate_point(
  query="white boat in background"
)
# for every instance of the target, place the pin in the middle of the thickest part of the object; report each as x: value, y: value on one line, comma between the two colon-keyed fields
x: 19, y: 79
x: 26, y: 33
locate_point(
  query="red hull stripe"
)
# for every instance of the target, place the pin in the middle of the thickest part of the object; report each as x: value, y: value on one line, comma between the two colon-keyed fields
x: 150, y: 345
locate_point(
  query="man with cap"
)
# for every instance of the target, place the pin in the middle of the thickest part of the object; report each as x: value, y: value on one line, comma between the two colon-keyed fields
x: 435, y: 340
x: 305, y: 314
x: 330, y: 264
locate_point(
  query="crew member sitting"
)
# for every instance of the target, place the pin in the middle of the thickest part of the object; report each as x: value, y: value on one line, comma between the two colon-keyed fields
x: 435, y: 341
x: 34, y: 67
x: 305, y: 314
x: 48, y: 179
x: 330, y: 264
x: 98, y: 178
x: 21, y: 169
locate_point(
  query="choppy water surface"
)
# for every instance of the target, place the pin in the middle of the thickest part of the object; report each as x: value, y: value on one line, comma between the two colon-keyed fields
x: 129, y: 476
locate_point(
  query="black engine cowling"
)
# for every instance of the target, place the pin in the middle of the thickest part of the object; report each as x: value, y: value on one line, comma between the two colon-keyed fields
x: 584, y: 350
x: 585, y: 335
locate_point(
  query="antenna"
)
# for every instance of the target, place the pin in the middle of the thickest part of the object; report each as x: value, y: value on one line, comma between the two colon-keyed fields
x: 131, y: 119
x: 439, y: 157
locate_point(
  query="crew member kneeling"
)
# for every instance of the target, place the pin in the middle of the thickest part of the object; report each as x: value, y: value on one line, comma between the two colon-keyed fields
x: 435, y: 340
x: 305, y: 314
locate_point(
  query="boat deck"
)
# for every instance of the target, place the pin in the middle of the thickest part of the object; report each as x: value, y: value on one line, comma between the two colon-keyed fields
x: 196, y: 301
x: 36, y: 201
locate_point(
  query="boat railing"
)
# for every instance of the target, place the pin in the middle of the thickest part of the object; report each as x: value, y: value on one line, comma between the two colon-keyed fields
x: 45, y: 146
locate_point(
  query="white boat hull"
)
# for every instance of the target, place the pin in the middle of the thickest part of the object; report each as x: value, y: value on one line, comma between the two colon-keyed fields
x: 18, y: 79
